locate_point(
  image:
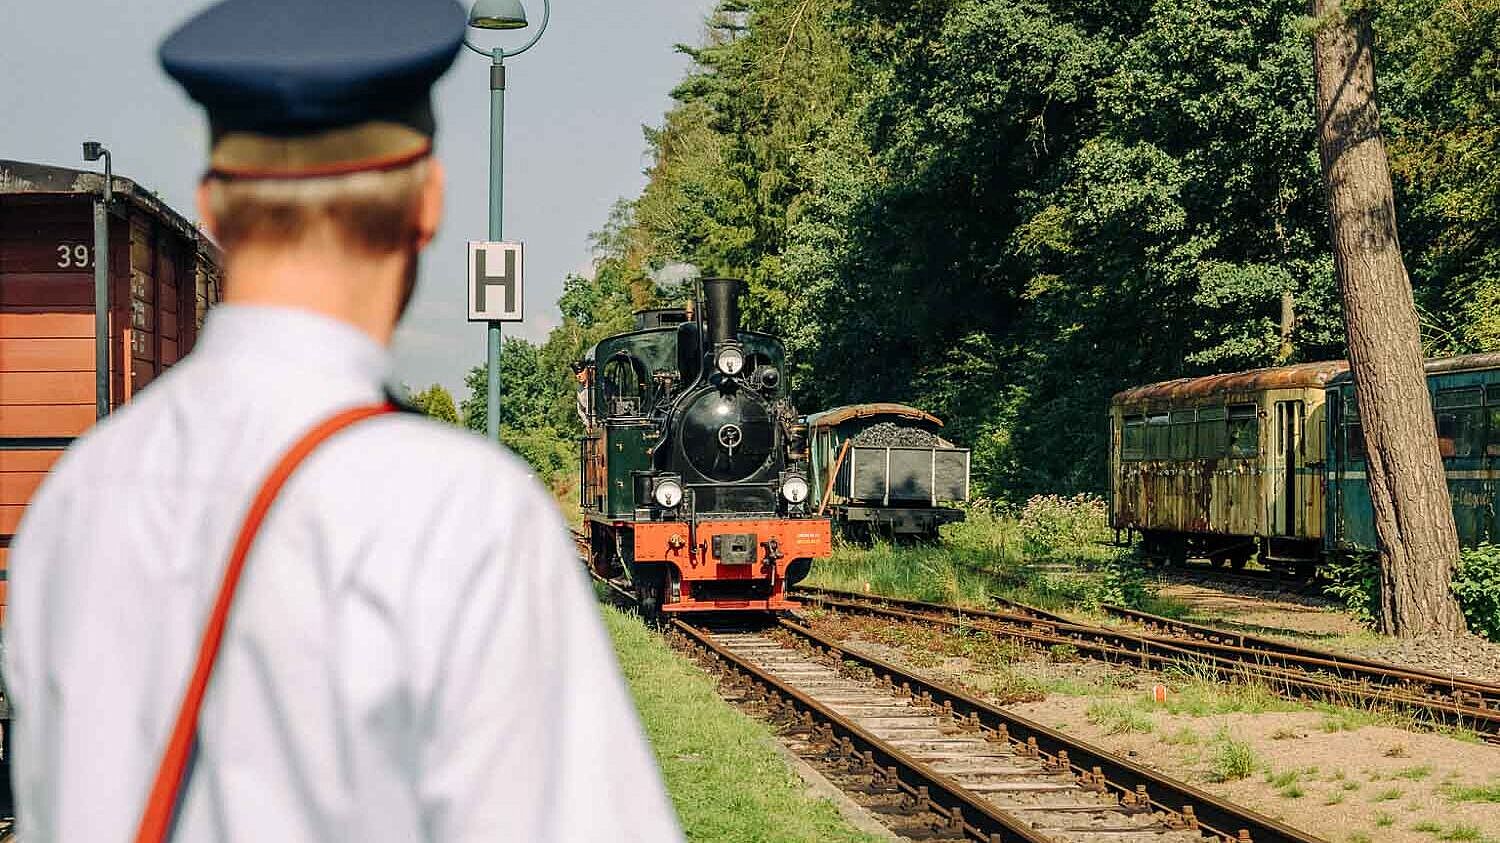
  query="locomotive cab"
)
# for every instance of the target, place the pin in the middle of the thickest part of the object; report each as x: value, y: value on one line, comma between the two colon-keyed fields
x: 694, y: 481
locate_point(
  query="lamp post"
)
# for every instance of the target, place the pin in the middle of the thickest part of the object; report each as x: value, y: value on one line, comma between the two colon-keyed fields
x: 93, y: 151
x: 502, y: 15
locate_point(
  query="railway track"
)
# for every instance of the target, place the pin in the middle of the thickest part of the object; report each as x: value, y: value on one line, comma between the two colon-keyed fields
x: 1291, y: 670
x: 936, y: 763
x: 1272, y: 581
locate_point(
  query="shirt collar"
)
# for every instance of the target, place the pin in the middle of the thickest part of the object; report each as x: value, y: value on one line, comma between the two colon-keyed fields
x: 286, y: 334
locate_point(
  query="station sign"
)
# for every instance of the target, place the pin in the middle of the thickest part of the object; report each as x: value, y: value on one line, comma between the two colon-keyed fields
x: 496, y: 285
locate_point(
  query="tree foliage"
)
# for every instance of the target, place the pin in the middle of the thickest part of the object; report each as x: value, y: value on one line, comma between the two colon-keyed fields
x: 1004, y: 211
x: 437, y: 403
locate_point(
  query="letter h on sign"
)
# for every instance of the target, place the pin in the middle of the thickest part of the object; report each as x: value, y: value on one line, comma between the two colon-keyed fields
x: 496, y: 288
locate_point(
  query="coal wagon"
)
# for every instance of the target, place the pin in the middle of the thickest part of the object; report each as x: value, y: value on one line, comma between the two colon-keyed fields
x: 884, y: 469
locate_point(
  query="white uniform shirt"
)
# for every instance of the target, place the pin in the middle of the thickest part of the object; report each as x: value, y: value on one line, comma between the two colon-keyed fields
x: 413, y: 654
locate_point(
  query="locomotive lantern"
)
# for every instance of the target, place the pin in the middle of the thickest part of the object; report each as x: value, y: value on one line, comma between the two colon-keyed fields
x: 693, y: 460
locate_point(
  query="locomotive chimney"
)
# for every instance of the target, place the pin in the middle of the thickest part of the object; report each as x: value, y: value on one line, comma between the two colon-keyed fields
x: 721, y: 309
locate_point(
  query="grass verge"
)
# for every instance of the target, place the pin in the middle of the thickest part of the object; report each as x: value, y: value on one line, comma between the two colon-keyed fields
x: 722, y: 769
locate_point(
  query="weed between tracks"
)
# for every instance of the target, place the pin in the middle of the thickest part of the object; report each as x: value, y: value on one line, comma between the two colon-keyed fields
x: 1053, y: 554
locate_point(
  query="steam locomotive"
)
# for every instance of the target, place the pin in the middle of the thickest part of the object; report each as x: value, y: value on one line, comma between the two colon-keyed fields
x: 694, y: 483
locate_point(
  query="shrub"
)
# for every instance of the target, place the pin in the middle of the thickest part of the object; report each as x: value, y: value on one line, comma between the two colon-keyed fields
x: 1232, y: 759
x: 1118, y: 718
x: 554, y: 458
x: 1476, y: 582
x: 1354, y: 580
x: 1053, y: 526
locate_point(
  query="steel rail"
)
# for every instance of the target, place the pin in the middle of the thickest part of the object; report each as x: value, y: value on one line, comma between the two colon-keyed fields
x: 1359, y: 667
x: 1176, y: 799
x: 1472, y: 705
x: 1185, y: 629
x: 967, y: 812
x: 1176, y: 629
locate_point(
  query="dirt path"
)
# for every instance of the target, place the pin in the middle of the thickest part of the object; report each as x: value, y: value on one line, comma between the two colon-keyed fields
x: 1263, y: 612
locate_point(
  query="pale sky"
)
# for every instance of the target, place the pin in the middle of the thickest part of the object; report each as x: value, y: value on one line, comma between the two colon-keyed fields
x: 86, y: 70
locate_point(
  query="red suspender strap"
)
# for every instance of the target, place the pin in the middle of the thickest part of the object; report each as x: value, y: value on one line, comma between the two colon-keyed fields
x: 156, y: 822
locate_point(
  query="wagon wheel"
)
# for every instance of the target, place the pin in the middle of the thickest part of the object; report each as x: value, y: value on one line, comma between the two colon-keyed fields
x: 1177, y: 553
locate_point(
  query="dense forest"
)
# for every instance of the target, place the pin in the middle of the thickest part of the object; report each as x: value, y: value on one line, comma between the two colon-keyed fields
x: 1003, y: 211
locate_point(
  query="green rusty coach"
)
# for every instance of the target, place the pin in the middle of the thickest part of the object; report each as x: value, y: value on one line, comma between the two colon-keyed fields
x: 1269, y: 464
x: 1226, y: 467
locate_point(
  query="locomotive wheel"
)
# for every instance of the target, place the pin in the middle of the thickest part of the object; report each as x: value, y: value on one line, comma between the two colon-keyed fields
x: 651, y: 588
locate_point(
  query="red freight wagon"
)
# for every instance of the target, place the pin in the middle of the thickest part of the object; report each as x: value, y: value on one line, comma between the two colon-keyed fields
x: 163, y: 275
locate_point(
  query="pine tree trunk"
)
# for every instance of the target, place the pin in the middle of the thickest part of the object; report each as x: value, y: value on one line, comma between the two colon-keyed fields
x: 1413, y: 515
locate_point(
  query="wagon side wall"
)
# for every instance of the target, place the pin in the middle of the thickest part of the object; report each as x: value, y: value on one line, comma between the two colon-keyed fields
x: 161, y: 283
x: 1233, y: 494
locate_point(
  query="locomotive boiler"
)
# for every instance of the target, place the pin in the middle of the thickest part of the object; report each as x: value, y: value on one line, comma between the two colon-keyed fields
x: 694, y: 481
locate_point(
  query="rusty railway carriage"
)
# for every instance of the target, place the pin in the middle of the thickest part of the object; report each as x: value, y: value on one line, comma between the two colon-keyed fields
x: 163, y: 276
x: 1465, y: 393
x: 694, y: 482
x: 898, y: 484
x: 1226, y: 467
x: 1271, y: 462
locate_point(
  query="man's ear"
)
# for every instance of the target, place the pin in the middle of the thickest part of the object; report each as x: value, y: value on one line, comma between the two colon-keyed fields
x: 430, y: 203
x: 206, y: 216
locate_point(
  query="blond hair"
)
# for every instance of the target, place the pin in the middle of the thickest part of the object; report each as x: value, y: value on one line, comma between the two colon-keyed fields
x: 373, y: 211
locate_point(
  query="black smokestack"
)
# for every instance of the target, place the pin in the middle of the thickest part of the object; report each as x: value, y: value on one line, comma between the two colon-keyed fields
x: 721, y: 309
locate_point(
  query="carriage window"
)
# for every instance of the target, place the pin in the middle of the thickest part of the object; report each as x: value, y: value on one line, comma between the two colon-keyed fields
x: 623, y: 387
x: 1182, y: 434
x: 1492, y: 410
x: 1133, y: 438
x: 1354, y: 432
x: 1244, y: 431
x: 1156, y: 436
x: 1460, y: 421
x: 1213, y: 433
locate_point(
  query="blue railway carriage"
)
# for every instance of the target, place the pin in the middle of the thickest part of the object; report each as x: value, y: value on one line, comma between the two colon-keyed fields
x: 1226, y: 467
x: 1465, y: 394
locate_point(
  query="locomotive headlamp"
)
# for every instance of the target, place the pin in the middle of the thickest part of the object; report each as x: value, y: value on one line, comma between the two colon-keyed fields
x: 794, y: 488
x: 668, y: 493
x: 730, y: 360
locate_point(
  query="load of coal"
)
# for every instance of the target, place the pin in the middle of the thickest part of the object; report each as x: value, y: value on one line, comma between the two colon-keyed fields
x: 892, y: 435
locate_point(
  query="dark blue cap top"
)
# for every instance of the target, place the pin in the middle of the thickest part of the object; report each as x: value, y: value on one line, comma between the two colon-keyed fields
x: 295, y: 66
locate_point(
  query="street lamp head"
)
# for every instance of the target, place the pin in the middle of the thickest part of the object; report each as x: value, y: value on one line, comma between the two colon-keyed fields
x: 497, y: 14
x: 92, y: 150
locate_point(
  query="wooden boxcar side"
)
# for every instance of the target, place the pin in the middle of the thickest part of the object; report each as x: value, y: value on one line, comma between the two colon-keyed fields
x: 1465, y: 394
x: 163, y: 276
x: 1225, y: 466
